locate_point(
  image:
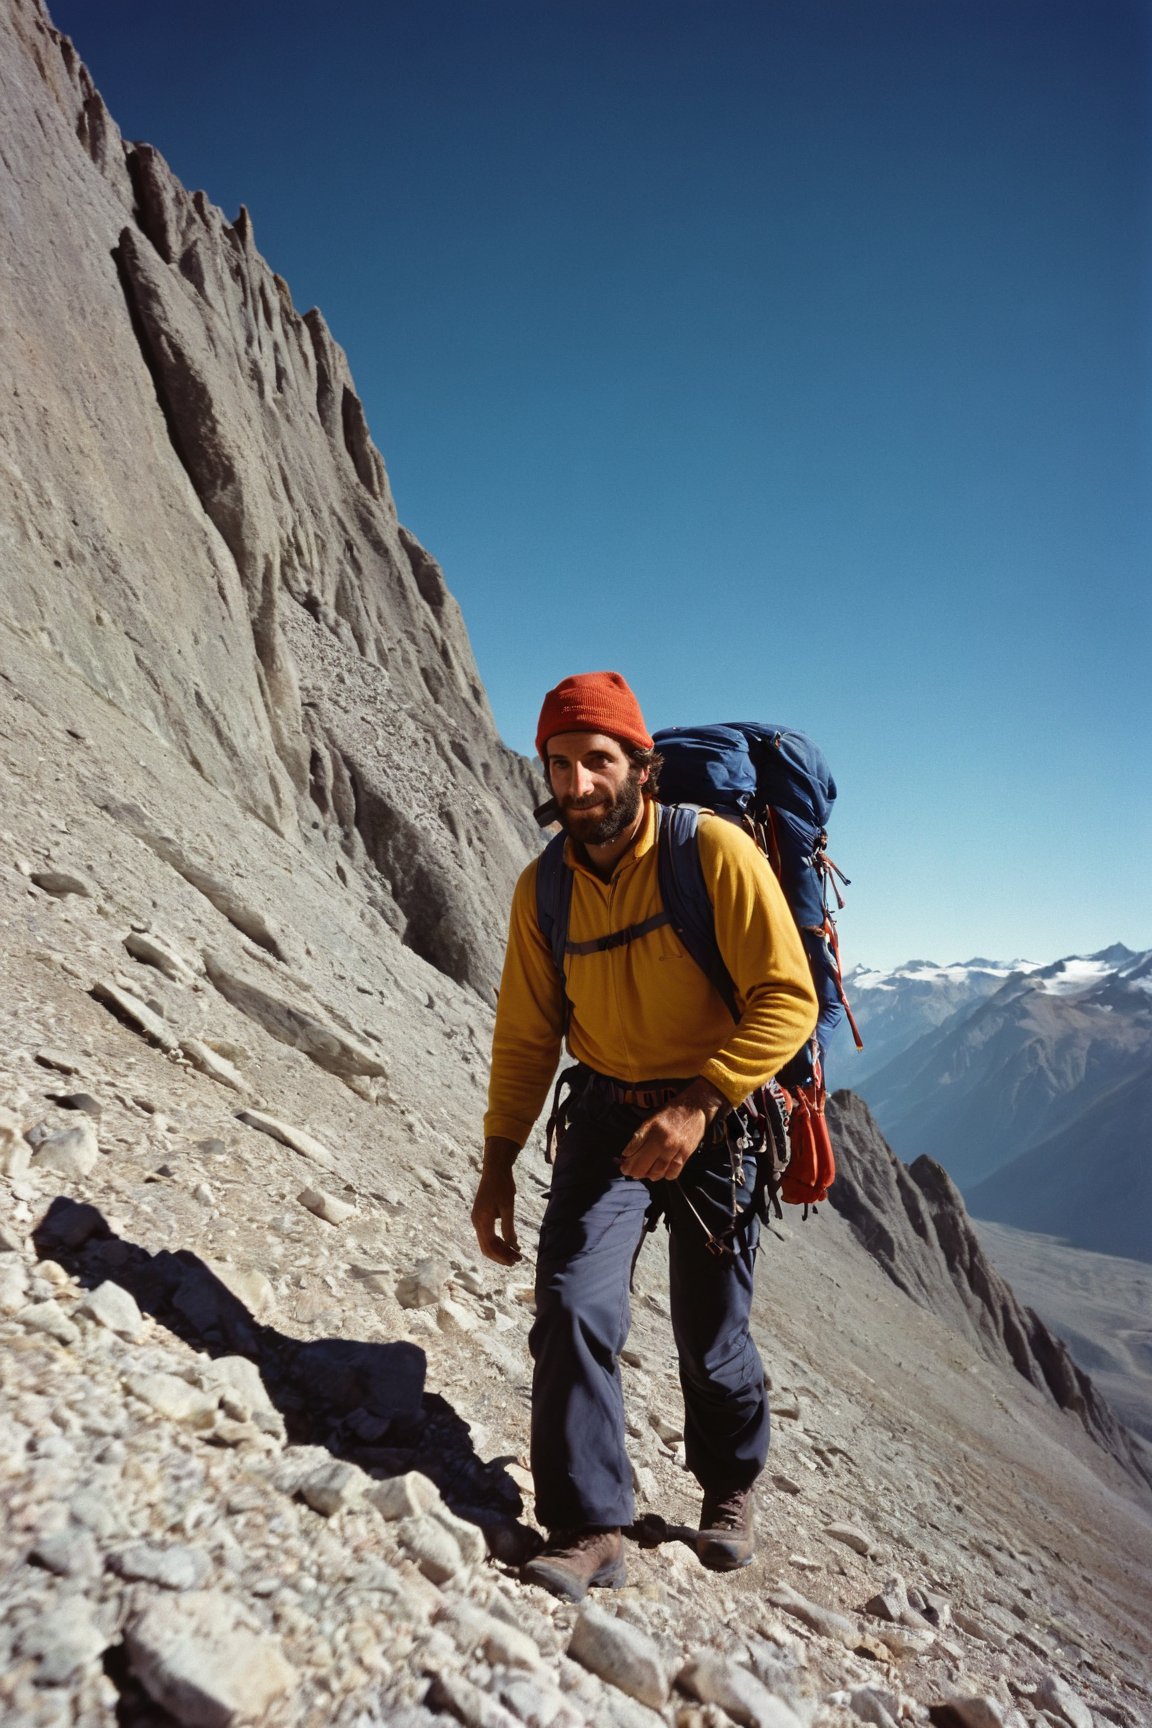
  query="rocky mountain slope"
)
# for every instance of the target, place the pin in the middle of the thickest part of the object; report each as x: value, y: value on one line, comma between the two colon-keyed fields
x: 912, y: 1220
x: 197, y: 524
x: 254, y: 1372
x: 263, y: 1411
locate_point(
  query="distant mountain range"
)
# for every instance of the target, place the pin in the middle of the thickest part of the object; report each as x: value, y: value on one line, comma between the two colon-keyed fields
x: 896, y: 1008
x: 1031, y: 1084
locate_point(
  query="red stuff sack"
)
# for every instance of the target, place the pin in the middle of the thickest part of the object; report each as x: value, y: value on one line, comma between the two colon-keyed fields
x: 811, y: 1168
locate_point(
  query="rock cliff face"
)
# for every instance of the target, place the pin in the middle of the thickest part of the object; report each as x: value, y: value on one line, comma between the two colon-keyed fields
x: 197, y: 522
x: 913, y: 1222
x: 263, y: 1409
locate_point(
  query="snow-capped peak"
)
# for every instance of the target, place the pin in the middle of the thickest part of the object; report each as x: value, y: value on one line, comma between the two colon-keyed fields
x: 958, y: 972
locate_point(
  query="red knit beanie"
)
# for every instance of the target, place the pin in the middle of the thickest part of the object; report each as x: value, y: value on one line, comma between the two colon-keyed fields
x: 592, y: 702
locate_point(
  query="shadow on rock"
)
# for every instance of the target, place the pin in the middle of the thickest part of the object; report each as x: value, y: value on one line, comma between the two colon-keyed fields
x: 652, y: 1531
x: 363, y: 1400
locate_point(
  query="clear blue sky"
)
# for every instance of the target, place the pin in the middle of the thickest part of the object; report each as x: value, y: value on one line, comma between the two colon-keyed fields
x: 793, y: 359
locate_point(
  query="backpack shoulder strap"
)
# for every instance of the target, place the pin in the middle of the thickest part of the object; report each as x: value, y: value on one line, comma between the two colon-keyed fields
x: 554, y: 898
x: 685, y: 895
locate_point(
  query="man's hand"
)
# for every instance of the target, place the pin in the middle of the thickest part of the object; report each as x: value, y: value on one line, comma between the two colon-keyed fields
x: 495, y: 1203
x: 663, y: 1144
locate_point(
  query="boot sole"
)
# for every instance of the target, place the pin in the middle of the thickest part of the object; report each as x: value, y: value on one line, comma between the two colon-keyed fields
x: 719, y: 1555
x: 560, y: 1582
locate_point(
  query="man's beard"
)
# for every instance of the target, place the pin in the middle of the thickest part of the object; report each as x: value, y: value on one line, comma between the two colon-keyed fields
x: 603, y: 823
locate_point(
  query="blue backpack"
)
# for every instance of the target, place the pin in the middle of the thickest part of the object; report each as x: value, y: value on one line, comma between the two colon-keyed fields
x: 774, y: 783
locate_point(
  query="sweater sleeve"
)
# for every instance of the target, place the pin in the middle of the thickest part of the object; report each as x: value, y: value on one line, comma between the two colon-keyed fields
x: 762, y: 950
x: 529, y: 1023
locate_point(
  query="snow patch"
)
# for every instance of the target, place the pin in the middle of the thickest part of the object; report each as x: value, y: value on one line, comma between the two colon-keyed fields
x: 927, y: 972
x: 1072, y: 977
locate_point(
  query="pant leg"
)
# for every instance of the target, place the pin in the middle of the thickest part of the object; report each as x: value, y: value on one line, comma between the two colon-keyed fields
x: 588, y: 1240
x: 726, y: 1416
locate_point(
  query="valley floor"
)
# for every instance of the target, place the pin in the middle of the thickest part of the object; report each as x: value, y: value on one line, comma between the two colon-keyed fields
x: 1099, y: 1304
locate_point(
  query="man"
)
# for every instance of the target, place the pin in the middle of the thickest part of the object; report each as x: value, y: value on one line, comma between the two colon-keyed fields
x: 653, y: 1118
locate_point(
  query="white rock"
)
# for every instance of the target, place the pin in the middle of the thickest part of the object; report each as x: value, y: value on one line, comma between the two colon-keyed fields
x: 620, y: 1654
x: 463, y: 1702
x: 130, y: 1007
x: 203, y: 1057
x: 873, y: 1706
x: 174, y: 1398
x: 469, y: 1538
x: 70, y: 1553
x: 332, y: 1487
x: 114, y: 1307
x: 423, y: 1287
x: 826, y: 1621
x: 15, y: 1152
x: 433, y: 1547
x: 73, y: 1151
x: 194, y: 1660
x: 980, y: 1629
x: 62, y: 882
x: 506, y: 1645
x: 58, y: 1062
x: 509, y: 1647
x: 64, y: 1640
x: 178, y: 1567
x: 890, y: 1603
x: 1057, y: 1697
x: 13, y: 1286
x: 239, y: 1383
x: 645, y: 1483
x: 98, y: 1509
x: 406, y: 1496
x: 50, y: 1317
x: 296, y: 1139
x: 976, y: 1712
x: 716, y: 1679
x: 937, y: 1610
x: 326, y: 1206
x: 851, y: 1536
x: 454, y: 1318
x: 156, y: 951
x: 248, y: 1286
x: 536, y: 1700
x: 469, y: 1280
x: 906, y: 1640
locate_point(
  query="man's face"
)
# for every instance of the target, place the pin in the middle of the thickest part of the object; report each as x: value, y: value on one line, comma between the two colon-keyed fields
x: 596, y: 787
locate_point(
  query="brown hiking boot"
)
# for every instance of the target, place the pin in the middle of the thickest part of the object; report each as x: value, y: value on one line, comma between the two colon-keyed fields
x: 571, y: 1561
x: 725, y: 1539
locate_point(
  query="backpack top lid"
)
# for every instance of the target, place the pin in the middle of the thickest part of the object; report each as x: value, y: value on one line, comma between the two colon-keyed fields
x: 744, y: 763
x: 706, y: 765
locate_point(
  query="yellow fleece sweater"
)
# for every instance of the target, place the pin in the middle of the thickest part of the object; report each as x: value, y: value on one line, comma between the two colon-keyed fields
x: 645, y: 1010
